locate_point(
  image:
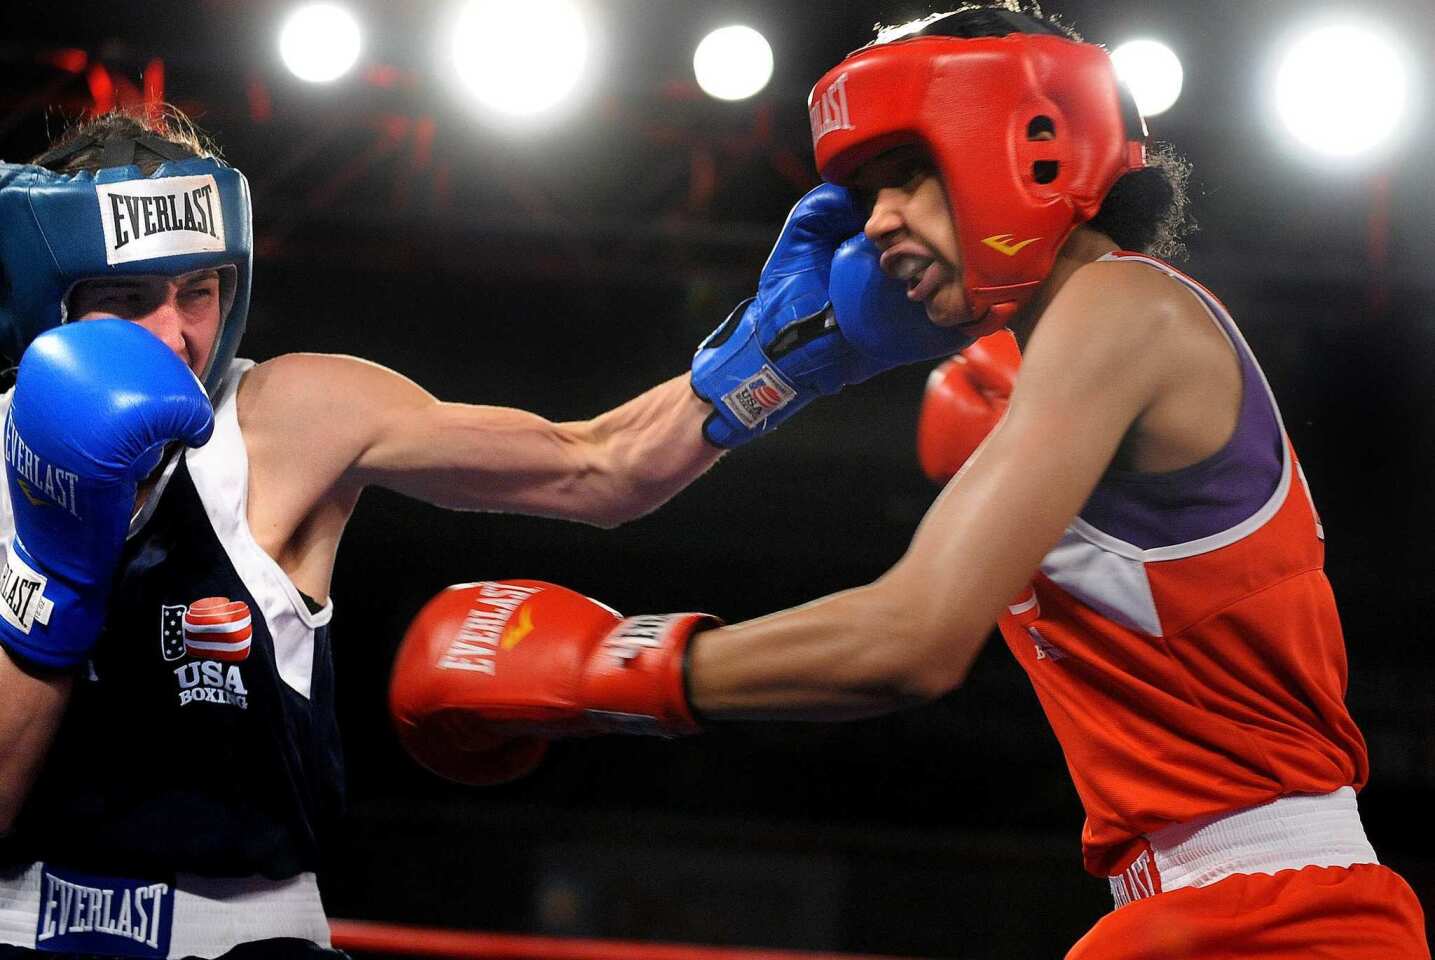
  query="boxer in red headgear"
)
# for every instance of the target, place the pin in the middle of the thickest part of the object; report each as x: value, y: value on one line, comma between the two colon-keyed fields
x: 1137, y: 525
x: 1028, y: 132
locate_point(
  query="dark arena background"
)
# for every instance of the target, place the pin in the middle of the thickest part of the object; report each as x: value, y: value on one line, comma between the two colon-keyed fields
x: 565, y: 265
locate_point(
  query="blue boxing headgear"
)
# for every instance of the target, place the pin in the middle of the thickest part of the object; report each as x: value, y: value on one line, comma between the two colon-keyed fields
x: 57, y: 229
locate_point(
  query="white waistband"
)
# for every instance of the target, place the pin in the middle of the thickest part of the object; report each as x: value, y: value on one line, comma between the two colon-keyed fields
x: 1285, y: 834
x: 210, y: 915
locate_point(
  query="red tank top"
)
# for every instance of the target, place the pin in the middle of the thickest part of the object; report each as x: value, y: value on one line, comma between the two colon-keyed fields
x: 1183, y: 676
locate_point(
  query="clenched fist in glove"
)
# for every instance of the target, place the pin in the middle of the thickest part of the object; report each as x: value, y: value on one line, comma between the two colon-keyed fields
x: 824, y: 316
x: 965, y: 398
x: 94, y: 406
x: 489, y: 671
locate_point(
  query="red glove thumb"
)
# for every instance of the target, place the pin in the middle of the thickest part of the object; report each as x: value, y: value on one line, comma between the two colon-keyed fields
x: 965, y: 398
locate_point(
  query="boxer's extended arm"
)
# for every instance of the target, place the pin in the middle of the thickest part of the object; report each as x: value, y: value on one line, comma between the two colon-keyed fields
x: 607, y: 470
x: 1091, y: 371
x: 30, y: 709
x: 549, y: 662
x: 347, y: 422
x: 321, y: 428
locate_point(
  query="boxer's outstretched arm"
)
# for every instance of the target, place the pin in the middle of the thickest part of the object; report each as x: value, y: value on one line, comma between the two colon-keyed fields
x: 1121, y: 345
x: 1090, y: 372
x: 31, y: 706
x: 350, y: 422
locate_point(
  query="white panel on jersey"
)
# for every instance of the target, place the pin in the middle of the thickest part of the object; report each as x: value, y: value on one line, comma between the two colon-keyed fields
x: 1106, y: 580
x: 1109, y: 574
x: 220, y: 471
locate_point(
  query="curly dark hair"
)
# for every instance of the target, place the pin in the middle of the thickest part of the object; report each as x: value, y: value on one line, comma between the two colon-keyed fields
x: 1147, y: 210
x: 159, y: 133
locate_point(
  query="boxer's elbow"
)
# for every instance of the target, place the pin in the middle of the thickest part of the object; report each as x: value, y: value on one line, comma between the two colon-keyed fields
x: 920, y: 652
x: 922, y: 670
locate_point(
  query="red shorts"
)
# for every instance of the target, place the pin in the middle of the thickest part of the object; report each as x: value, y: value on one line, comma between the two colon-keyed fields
x: 1364, y: 912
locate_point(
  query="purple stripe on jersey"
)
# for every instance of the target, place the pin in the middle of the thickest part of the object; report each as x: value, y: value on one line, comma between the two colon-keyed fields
x: 1162, y: 509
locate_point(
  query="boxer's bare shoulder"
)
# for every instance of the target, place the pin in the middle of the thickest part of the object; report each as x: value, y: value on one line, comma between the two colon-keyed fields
x: 304, y: 418
x: 1155, y: 321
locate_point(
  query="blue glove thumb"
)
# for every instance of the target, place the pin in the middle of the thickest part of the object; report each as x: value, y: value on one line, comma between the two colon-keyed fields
x: 883, y: 327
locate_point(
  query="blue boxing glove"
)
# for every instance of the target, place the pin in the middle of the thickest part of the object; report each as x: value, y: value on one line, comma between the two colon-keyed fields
x: 94, y: 405
x: 874, y: 318
x: 824, y: 316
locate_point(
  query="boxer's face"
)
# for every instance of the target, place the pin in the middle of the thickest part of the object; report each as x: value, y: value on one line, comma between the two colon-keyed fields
x: 911, y: 223
x: 182, y: 311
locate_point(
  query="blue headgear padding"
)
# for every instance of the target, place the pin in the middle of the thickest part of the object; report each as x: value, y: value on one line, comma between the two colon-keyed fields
x: 57, y: 229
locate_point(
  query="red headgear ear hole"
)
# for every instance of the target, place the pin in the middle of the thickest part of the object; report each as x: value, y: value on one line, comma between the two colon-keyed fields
x: 1041, y: 127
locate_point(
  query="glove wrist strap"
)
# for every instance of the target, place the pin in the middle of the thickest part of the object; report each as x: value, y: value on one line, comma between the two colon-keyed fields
x: 634, y: 681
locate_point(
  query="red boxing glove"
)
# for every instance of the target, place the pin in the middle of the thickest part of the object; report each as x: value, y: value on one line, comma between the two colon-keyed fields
x: 965, y: 398
x: 488, y: 672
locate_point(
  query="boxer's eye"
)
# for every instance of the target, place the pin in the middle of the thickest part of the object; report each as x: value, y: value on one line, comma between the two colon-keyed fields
x: 115, y: 298
x: 909, y: 175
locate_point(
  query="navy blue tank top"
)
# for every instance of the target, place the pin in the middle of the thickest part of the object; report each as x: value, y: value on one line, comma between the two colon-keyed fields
x: 184, y: 748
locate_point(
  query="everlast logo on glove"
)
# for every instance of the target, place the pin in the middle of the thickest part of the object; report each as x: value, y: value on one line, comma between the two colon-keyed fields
x: 634, y: 635
x: 486, y: 627
x: 145, y: 219
x: 22, y: 593
x: 39, y: 482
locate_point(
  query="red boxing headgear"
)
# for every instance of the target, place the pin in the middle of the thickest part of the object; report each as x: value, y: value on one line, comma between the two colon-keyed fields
x: 1028, y: 131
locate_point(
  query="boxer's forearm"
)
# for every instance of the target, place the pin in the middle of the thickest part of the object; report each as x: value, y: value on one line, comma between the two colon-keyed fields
x: 853, y: 654
x: 342, y: 421
x: 645, y: 451
x: 30, y: 710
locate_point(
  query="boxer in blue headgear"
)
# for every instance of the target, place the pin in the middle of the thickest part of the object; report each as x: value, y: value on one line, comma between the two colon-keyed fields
x: 58, y: 229
x: 203, y: 623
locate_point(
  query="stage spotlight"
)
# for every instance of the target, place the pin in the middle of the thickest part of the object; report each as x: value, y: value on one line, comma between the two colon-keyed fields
x: 1342, y: 89
x: 733, y: 63
x: 518, y: 59
x: 1152, y: 72
x: 319, y: 42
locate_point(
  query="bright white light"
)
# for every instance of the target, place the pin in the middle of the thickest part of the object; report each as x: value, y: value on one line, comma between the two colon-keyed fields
x: 1342, y: 89
x: 1152, y: 72
x: 319, y: 42
x: 520, y: 59
x: 733, y: 63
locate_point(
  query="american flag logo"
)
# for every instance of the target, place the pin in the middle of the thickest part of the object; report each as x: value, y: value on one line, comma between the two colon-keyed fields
x: 171, y: 631
x: 759, y: 396
x: 218, y: 628
x: 765, y: 393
